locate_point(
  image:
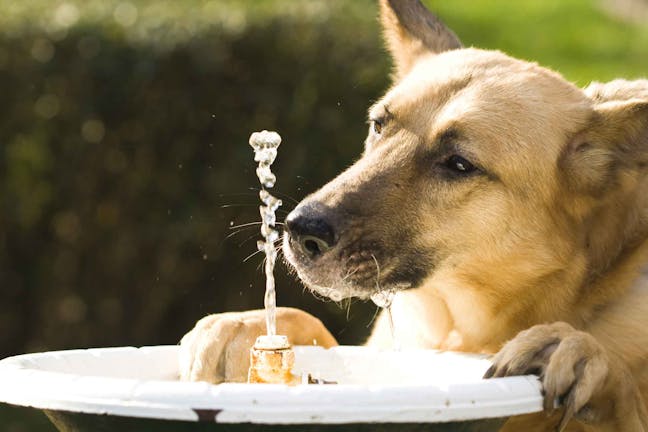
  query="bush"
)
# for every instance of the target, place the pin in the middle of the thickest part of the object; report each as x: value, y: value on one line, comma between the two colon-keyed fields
x: 124, y: 134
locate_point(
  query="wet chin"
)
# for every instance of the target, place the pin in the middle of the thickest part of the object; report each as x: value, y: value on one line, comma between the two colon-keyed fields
x: 327, y: 283
x: 333, y: 282
x: 338, y: 279
x: 325, y: 279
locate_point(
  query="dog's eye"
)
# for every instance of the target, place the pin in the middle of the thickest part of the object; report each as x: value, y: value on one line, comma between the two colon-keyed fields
x: 459, y: 164
x: 377, y: 126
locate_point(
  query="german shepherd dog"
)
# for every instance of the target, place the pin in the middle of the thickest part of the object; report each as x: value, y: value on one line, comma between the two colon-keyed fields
x: 506, y: 207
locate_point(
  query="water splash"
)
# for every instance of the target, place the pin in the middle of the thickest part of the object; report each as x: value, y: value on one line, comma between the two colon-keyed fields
x: 265, y: 145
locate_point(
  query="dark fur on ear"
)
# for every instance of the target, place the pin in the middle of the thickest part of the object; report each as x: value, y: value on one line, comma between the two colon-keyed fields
x: 616, y: 138
x: 411, y: 31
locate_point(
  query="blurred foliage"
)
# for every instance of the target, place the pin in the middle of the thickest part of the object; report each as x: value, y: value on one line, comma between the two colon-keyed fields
x: 124, y: 164
x: 575, y: 37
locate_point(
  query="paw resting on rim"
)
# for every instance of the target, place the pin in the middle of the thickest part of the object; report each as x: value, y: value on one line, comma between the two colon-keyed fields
x: 217, y: 349
x: 576, y: 373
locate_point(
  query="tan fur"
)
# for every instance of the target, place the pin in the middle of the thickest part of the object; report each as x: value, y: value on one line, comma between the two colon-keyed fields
x: 537, y: 256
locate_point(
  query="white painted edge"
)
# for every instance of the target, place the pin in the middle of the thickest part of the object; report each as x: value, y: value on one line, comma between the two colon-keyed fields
x: 35, y: 380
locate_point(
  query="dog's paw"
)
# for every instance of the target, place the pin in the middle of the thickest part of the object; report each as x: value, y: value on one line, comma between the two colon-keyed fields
x: 572, y: 365
x: 217, y: 349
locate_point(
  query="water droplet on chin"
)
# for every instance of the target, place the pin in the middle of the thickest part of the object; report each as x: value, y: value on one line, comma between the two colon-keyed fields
x: 383, y: 298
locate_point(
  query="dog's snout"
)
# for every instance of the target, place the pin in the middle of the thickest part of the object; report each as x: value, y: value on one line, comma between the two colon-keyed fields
x: 311, y: 230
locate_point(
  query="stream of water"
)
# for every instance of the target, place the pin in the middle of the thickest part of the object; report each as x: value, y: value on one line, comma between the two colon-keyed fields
x: 265, y: 146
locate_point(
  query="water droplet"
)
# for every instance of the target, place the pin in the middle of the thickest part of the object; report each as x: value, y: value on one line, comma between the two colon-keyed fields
x: 383, y: 298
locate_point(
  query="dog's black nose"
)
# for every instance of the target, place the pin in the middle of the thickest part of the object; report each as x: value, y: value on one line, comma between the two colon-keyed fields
x: 309, y: 228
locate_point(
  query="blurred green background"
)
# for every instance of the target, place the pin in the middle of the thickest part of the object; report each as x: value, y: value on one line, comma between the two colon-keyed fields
x: 124, y: 163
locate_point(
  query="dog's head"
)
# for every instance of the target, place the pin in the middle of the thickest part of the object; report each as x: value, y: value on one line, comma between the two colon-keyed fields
x: 478, y: 168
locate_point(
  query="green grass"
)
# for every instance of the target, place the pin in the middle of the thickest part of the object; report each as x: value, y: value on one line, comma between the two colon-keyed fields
x: 575, y: 37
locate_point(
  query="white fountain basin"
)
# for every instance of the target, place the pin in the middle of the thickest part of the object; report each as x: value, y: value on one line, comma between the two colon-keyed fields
x: 374, y: 387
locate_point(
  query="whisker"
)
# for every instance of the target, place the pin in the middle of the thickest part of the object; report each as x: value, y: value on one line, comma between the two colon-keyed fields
x: 278, y: 194
x: 251, y: 224
x: 349, y: 274
x: 262, y: 263
x: 232, y: 234
x: 277, y: 248
x: 348, y: 309
x: 251, y: 255
x: 377, y: 272
x: 249, y: 238
x: 227, y: 195
x: 374, y: 317
x: 238, y: 205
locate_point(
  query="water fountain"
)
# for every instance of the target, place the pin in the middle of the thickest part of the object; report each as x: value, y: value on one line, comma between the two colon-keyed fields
x: 271, y: 357
x: 136, y: 389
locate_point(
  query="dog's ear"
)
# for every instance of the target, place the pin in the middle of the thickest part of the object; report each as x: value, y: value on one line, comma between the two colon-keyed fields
x: 615, y: 141
x: 412, y: 31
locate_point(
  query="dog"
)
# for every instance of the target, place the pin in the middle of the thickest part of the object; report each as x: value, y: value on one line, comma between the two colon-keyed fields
x: 507, y: 210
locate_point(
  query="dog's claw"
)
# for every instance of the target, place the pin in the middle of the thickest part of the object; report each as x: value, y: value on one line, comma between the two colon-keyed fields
x: 569, y: 412
x: 548, y: 405
x: 491, y: 370
x: 571, y: 364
